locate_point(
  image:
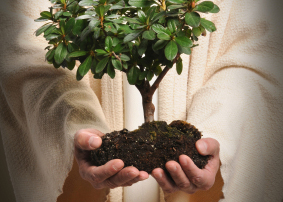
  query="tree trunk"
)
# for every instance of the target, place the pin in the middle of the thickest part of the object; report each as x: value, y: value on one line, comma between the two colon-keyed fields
x: 148, y: 110
x: 148, y: 107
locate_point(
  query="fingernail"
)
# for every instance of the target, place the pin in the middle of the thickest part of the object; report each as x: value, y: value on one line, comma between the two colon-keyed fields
x: 202, y: 146
x: 115, y: 168
x: 93, y: 143
x: 160, y: 175
x: 173, y: 168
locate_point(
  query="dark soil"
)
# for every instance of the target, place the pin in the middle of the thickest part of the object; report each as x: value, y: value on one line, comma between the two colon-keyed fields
x: 150, y: 146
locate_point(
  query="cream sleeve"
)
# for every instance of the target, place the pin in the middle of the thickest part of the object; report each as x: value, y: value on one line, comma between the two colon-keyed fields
x: 240, y: 99
x: 41, y: 107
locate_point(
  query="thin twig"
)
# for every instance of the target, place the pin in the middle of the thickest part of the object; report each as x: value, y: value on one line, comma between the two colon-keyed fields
x: 155, y: 85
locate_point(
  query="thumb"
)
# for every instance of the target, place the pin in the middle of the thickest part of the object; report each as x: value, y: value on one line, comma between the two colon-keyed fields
x: 88, y: 139
x: 208, y: 146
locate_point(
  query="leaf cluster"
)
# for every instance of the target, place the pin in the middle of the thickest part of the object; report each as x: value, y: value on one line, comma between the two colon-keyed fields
x: 137, y: 37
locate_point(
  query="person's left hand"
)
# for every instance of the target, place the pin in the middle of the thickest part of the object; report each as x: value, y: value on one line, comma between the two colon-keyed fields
x: 187, y: 176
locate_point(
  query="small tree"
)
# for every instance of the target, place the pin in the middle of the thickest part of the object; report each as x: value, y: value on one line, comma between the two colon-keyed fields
x: 137, y: 37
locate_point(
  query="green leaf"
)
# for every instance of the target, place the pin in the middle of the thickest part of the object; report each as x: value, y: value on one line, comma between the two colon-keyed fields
x: 142, y: 75
x: 49, y: 55
x: 150, y: 14
x: 41, y: 19
x: 141, y: 3
x: 184, y: 41
x: 85, y: 33
x: 177, y: 1
x: 101, y: 65
x: 100, y: 51
x: 51, y: 36
x: 208, y: 25
x: 124, y: 57
x: 133, y: 20
x: 71, y: 65
x: 69, y: 25
x: 110, y: 71
x: 100, y: 10
x: 88, y: 3
x: 160, y: 29
x: 60, y: 53
x: 172, y: 7
x: 50, y: 30
x: 163, y: 36
x: 142, y: 47
x: 157, y: 70
x: 185, y: 50
x: 46, y: 14
x: 85, y: 66
x: 96, y: 32
x: 58, y: 14
x: 72, y: 47
x: 118, y: 48
x: 171, y: 24
x: 132, y: 36
x: 142, y: 16
x: 112, y: 16
x: 179, y: 66
x: 125, y: 65
x: 171, y: 50
x: 215, y: 9
x: 159, y: 44
x: 40, y: 30
x: 204, y: 6
x: 132, y: 75
x: 158, y: 16
x: 67, y: 14
x: 55, y: 64
x: 93, y: 23
x: 62, y: 26
x: 125, y: 28
x: 117, y: 64
x: 149, y: 75
x: 79, y: 25
x: 108, y: 43
x: 78, y: 76
x: 78, y: 54
x: 83, y: 17
x: 192, y: 19
x: 196, y: 31
x: 149, y: 35
x: 116, y: 41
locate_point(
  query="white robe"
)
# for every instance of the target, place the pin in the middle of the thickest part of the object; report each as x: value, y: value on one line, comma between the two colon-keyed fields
x: 231, y: 89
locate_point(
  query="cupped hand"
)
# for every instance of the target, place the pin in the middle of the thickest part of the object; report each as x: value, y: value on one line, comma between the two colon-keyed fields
x: 187, y: 176
x: 112, y: 174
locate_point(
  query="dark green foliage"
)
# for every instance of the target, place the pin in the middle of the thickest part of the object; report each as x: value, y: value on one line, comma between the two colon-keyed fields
x: 137, y: 37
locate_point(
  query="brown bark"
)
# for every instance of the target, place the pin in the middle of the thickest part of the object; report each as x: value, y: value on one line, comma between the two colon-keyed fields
x: 148, y: 107
x: 147, y: 92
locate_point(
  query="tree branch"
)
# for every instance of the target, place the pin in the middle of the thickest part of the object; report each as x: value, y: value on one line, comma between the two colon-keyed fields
x: 155, y: 85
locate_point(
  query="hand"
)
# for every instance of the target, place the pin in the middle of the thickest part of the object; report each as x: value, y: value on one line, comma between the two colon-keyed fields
x: 187, y: 176
x: 110, y: 175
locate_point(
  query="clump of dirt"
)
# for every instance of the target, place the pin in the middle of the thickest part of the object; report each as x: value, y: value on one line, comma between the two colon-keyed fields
x: 150, y: 146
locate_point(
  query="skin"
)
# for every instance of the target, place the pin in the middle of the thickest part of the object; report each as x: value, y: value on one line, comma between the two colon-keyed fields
x: 186, y: 176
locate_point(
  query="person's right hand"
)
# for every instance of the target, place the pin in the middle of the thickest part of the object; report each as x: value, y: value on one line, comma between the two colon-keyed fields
x: 110, y: 175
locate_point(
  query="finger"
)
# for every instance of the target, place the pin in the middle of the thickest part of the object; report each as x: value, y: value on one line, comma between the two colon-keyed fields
x: 123, y: 177
x: 164, y: 182
x: 180, y: 178
x: 97, y: 175
x: 88, y: 139
x: 208, y: 146
x: 142, y: 176
x: 202, y: 179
